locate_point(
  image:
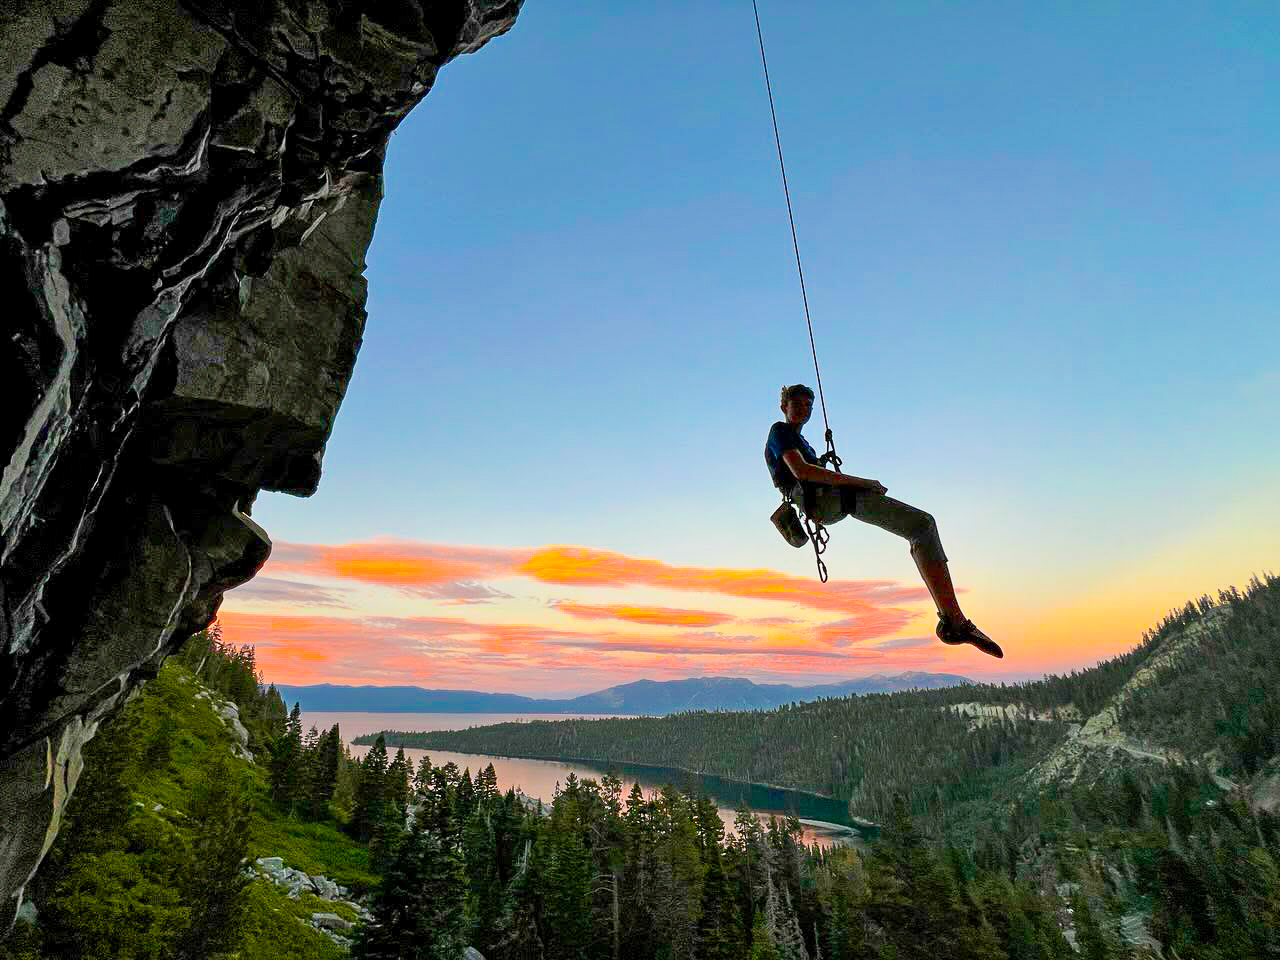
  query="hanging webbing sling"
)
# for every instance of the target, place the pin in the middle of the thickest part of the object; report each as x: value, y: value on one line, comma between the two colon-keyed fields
x: 816, y: 531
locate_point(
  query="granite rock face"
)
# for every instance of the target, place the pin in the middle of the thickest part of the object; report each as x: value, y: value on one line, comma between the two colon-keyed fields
x: 187, y: 192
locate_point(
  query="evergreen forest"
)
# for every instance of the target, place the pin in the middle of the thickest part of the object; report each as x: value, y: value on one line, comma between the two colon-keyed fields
x: 991, y: 845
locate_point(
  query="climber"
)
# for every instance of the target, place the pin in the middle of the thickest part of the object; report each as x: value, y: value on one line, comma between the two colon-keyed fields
x: 826, y: 496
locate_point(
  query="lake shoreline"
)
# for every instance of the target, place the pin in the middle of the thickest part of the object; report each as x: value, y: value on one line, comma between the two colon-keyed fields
x: 823, y: 820
x: 367, y: 740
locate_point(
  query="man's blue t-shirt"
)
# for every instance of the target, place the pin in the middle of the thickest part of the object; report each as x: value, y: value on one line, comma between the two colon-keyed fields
x: 783, y: 437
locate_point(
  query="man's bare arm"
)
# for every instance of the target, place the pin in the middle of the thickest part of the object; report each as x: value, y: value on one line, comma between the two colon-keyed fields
x: 810, y: 473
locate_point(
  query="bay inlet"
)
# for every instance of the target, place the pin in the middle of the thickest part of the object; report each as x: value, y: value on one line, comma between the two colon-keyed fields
x: 823, y: 820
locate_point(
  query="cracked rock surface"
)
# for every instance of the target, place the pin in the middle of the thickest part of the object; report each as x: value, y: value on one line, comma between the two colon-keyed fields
x: 187, y: 192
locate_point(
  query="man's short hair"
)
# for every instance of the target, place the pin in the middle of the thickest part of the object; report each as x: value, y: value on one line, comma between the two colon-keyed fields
x: 796, y: 390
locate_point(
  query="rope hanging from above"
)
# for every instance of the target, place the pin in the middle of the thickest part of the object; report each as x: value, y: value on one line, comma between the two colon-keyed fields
x: 830, y: 455
x: 818, y: 535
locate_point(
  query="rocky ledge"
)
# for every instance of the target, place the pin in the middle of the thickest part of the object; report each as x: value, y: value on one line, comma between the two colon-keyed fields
x: 187, y: 192
x: 296, y: 883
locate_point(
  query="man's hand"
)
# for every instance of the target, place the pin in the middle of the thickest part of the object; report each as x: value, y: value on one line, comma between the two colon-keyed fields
x: 808, y: 472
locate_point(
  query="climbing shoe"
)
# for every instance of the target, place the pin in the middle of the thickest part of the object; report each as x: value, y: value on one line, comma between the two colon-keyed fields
x: 965, y: 632
x: 788, y: 524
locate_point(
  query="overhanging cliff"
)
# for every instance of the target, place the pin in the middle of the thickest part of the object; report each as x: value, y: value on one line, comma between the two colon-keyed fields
x: 187, y: 193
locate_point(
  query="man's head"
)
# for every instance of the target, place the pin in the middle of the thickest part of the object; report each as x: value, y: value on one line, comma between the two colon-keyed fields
x: 797, y: 404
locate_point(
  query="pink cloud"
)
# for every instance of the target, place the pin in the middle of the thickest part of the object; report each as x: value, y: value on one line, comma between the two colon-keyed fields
x: 427, y: 568
x: 459, y: 651
x: 584, y: 566
x: 440, y: 650
x: 651, y: 616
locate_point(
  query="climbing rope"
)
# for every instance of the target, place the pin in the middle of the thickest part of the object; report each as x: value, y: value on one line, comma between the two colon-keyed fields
x: 830, y: 455
x: 817, y: 532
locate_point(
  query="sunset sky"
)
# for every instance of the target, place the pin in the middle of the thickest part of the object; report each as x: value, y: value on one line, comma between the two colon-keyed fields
x: 1040, y: 252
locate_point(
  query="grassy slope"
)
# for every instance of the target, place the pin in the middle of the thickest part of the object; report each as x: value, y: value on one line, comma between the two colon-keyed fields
x: 199, y: 735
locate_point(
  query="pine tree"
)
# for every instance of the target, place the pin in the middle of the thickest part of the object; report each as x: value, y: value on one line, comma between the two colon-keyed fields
x: 287, y: 772
x: 762, y: 946
x: 1089, y: 936
x: 720, y: 931
x: 566, y: 883
x: 443, y: 820
x: 422, y: 779
x: 214, y: 881
x: 678, y: 872
x: 371, y: 794
x: 638, y: 877
x: 465, y: 796
x: 487, y: 785
x: 912, y: 895
x: 750, y: 867
x: 275, y: 715
x: 418, y: 907
x: 323, y: 778
x: 398, y: 786
x: 517, y: 936
x: 485, y: 894
x: 782, y: 925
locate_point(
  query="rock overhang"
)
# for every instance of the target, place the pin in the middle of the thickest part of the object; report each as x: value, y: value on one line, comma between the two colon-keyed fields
x: 187, y: 193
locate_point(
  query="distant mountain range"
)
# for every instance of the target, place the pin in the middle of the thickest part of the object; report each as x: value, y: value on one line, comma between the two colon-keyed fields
x: 649, y: 697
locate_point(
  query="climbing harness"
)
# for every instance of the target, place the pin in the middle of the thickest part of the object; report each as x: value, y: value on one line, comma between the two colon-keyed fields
x: 815, y: 529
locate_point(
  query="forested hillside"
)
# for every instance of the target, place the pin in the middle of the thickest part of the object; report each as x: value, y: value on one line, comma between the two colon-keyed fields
x: 1213, y: 692
x: 1066, y: 821
x: 157, y: 860
x: 1138, y: 798
x: 152, y: 861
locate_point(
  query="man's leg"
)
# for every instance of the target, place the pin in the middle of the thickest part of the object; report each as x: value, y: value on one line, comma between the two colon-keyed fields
x: 937, y: 578
x: 920, y: 530
x: 926, y: 549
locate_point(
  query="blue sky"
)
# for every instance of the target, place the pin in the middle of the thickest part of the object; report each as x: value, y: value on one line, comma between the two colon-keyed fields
x: 1039, y: 243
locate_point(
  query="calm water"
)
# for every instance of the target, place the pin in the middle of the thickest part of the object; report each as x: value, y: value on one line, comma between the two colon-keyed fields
x: 824, y: 821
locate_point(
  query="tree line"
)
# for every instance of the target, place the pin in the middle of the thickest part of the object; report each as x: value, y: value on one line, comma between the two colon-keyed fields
x: 599, y: 876
x: 596, y: 876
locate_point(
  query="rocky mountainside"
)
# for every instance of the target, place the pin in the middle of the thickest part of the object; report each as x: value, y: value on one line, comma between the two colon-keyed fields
x: 187, y: 192
x: 1136, y: 726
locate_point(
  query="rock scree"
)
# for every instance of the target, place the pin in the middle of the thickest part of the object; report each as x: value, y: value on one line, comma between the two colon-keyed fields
x: 188, y: 189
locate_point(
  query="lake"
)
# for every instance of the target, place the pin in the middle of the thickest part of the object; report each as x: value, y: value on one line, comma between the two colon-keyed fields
x: 824, y: 821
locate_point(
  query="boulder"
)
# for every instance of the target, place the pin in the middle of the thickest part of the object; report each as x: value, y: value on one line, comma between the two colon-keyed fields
x: 330, y: 921
x: 230, y: 715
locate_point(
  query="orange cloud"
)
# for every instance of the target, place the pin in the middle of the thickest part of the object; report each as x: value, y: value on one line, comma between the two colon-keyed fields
x: 650, y: 616
x: 583, y: 566
x: 446, y: 651
x: 441, y: 570
x: 456, y: 651
x: 404, y: 564
x: 864, y: 625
